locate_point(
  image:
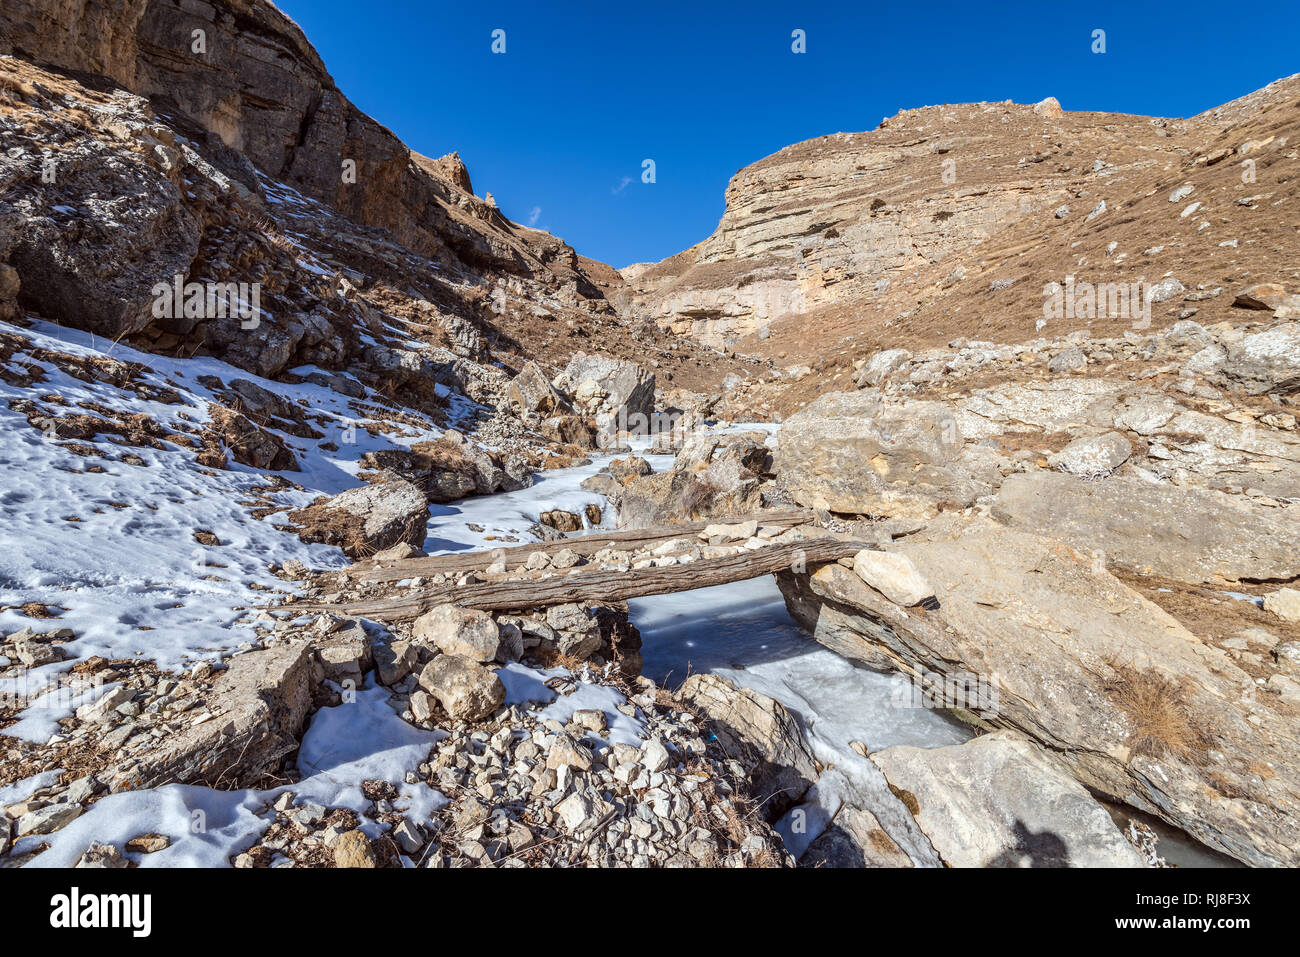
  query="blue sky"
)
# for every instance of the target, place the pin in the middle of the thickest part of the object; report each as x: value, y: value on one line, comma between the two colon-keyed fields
x: 557, y: 127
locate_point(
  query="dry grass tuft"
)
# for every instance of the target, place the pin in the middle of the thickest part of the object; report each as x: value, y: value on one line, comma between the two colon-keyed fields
x: 36, y: 609
x: 741, y: 818
x: 698, y: 496
x: 548, y: 656
x: 1161, y: 723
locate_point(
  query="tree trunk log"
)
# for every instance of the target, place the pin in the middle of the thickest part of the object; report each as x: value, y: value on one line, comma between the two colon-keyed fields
x: 460, y: 562
x: 602, y: 585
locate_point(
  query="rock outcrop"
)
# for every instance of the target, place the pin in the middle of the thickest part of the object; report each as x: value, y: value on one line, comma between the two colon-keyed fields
x: 365, y: 520
x: 1000, y: 801
x: 214, y: 193
x: 849, y: 452
x: 262, y: 702
x: 712, y: 477
x: 244, y: 73
x: 1185, y: 533
x: 1028, y: 634
x: 448, y: 468
x: 761, y: 734
x: 959, y: 220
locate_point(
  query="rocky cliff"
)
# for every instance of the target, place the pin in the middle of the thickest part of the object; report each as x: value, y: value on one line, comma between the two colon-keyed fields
x: 244, y: 73
x: 950, y: 220
x: 150, y: 140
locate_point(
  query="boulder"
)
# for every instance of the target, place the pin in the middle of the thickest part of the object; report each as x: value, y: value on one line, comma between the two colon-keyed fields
x: 893, y: 575
x: 1030, y: 635
x: 852, y: 453
x: 854, y: 838
x: 1165, y: 289
x: 1049, y: 108
x: 617, y: 388
x: 604, y: 484
x: 448, y: 468
x: 466, y: 690
x: 1092, y: 457
x: 531, y: 391
x: 561, y: 521
x: 713, y: 477
x: 569, y: 430
x: 1072, y: 359
x: 398, y: 552
x: 578, y: 631
x: 1284, y: 603
x: 1188, y: 533
x: 1263, y: 362
x: 90, y: 248
x: 261, y: 702
x: 261, y: 404
x: 758, y: 732
x: 365, y: 520
x: 670, y: 498
x: 745, y: 451
x: 1187, y: 333
x: 345, y: 655
x: 397, y: 367
x: 459, y: 631
x: 47, y: 819
x: 582, y: 809
x: 102, y: 709
x: 624, y: 470
x: 1000, y: 801
x: 1265, y: 295
x: 394, y: 660
x: 248, y: 443
x: 879, y: 366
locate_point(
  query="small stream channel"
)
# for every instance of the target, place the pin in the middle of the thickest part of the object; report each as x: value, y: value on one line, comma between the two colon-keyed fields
x: 743, y: 632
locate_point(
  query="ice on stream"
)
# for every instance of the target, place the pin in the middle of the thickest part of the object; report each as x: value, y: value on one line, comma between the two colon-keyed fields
x: 131, y: 581
x: 743, y: 632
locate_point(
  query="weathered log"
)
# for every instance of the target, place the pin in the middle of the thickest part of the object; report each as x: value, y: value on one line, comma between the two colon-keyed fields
x: 515, y: 556
x: 602, y: 585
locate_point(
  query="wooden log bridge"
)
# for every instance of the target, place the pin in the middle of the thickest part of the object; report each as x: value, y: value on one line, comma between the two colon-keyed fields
x: 458, y: 563
x: 601, y: 585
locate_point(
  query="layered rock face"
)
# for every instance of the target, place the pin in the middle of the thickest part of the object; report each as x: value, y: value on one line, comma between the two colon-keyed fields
x: 1040, y: 817
x: 836, y: 218
x: 1028, y: 634
x: 1086, y: 552
x: 847, y: 452
x: 194, y: 192
x: 951, y: 220
x: 243, y: 72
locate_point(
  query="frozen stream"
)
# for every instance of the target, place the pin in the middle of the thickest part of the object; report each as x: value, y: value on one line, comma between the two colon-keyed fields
x: 743, y: 632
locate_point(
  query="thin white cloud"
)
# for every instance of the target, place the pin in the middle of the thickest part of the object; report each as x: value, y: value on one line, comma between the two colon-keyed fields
x: 534, y: 216
x: 622, y: 185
